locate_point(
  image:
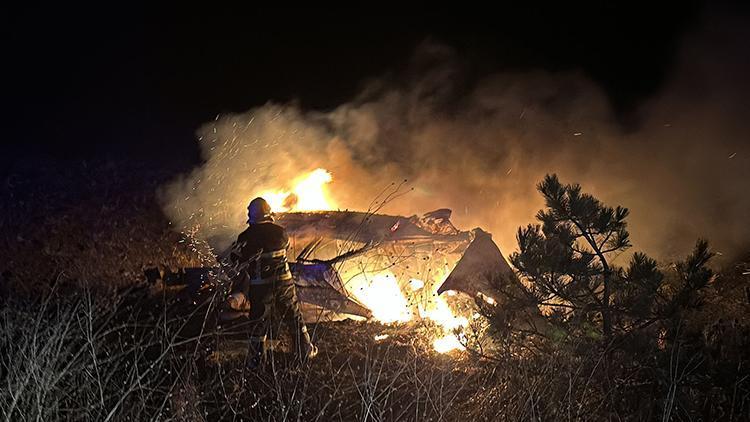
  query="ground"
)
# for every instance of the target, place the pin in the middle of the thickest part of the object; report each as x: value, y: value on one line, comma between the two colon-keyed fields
x: 74, y: 246
x: 86, y: 337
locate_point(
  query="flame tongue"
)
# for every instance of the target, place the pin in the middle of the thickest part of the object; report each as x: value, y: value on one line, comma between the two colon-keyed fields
x: 381, y: 293
x: 309, y: 193
x: 439, y: 312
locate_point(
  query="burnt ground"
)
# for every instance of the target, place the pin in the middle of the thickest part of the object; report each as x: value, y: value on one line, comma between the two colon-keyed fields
x: 85, y: 337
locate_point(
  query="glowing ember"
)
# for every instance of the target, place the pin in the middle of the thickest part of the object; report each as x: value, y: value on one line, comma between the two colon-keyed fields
x: 308, y: 193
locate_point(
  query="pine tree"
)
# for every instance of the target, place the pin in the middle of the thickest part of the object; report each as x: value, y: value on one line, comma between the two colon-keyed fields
x: 566, y: 262
x: 567, y: 257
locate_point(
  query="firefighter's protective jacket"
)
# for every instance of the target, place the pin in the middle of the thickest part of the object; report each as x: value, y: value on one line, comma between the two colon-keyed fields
x: 260, y: 252
x: 259, y: 257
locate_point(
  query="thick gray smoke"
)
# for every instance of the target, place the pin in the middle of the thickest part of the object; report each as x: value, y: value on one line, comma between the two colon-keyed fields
x: 683, y: 172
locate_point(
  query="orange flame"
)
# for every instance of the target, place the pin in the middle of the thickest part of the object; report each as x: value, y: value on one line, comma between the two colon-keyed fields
x: 438, y: 311
x: 381, y: 293
x: 309, y: 193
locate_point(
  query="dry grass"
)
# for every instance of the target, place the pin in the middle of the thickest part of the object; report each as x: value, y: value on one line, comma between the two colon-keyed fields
x: 84, y: 339
x: 148, y: 354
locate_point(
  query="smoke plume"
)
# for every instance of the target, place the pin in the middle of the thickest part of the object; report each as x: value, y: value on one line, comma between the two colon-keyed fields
x: 479, y: 147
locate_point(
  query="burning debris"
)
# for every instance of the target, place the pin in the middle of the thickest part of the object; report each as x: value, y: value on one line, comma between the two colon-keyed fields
x: 394, y: 268
x: 390, y: 268
x: 406, y: 263
x: 406, y: 245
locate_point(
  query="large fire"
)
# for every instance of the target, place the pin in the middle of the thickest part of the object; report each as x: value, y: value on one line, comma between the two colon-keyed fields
x: 385, y: 296
x: 381, y: 291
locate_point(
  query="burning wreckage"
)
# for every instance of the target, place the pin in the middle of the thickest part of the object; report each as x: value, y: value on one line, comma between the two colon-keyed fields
x: 385, y: 267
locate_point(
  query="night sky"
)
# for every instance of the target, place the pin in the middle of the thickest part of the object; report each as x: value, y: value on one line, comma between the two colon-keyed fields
x: 137, y: 82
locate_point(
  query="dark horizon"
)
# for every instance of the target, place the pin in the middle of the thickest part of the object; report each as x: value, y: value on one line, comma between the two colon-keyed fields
x: 136, y: 83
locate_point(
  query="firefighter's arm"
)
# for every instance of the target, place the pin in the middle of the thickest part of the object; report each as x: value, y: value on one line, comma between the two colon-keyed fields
x: 285, y: 240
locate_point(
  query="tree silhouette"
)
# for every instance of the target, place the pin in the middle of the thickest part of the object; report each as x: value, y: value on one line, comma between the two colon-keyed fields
x: 566, y: 262
x: 566, y: 258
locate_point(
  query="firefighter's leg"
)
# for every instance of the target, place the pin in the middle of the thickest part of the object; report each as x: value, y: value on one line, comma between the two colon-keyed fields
x: 261, y: 298
x: 292, y: 317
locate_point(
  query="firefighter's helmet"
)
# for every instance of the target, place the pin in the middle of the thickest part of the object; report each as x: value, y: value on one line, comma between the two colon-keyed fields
x: 258, y: 211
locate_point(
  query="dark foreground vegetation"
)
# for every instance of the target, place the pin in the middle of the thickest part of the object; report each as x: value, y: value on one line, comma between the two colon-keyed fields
x: 84, y: 337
